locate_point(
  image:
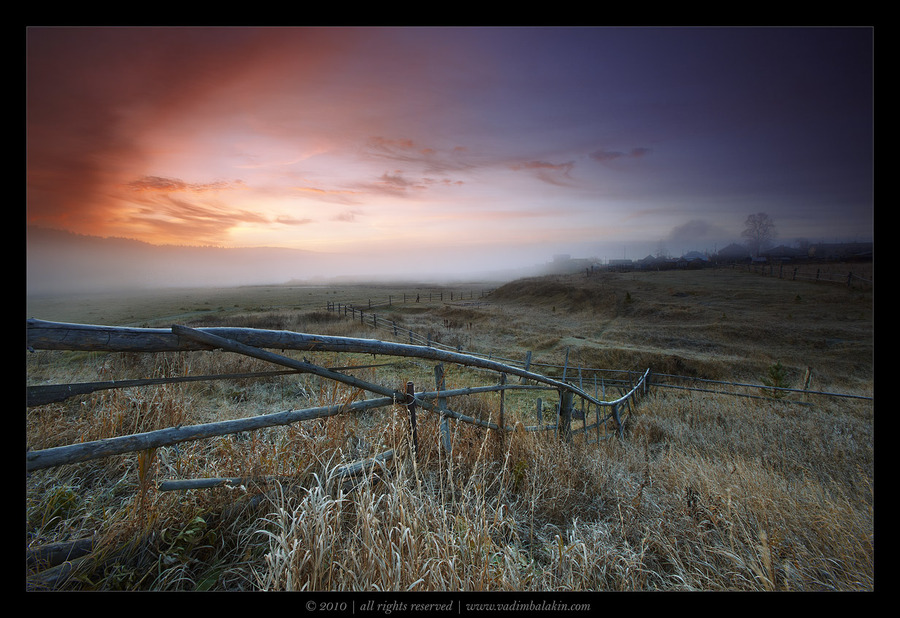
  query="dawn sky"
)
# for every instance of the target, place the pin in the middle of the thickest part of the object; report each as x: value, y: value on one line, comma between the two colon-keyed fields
x: 588, y: 141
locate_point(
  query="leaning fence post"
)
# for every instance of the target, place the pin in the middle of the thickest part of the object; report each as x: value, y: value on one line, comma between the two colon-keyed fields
x: 411, y: 407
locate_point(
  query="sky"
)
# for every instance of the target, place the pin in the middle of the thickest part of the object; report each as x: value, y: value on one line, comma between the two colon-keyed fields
x: 466, y: 147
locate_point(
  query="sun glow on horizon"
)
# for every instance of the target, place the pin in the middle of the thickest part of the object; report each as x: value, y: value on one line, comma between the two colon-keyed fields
x: 370, y: 139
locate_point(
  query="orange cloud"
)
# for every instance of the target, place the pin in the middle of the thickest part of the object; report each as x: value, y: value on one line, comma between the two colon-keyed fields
x: 157, y: 184
x: 341, y: 196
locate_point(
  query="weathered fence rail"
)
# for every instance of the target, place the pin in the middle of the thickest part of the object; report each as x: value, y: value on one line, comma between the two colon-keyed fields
x: 258, y: 343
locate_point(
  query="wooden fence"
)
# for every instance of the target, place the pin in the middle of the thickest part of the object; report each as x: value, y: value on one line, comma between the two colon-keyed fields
x: 818, y: 275
x: 257, y: 343
x: 368, y: 315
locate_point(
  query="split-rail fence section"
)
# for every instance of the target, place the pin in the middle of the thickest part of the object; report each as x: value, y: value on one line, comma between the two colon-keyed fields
x: 607, y: 417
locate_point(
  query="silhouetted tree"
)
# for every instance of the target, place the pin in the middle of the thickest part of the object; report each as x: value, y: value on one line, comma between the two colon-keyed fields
x: 759, y: 230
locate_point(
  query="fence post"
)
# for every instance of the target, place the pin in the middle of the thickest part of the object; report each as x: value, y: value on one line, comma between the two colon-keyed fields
x: 615, y: 411
x: 527, y: 365
x: 442, y: 405
x: 540, y: 414
x: 806, y: 380
x: 502, y: 422
x: 566, y: 401
x: 411, y: 407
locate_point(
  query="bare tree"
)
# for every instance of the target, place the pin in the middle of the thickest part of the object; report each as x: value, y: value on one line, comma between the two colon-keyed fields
x: 661, y: 250
x: 759, y: 230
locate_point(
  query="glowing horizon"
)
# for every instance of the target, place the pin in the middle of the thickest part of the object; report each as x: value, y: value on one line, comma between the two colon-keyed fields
x: 332, y: 139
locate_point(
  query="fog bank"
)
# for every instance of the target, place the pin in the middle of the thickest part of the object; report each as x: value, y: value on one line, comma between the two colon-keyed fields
x: 61, y: 262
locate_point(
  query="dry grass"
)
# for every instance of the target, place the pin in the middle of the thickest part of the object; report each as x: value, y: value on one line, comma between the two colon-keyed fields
x: 707, y: 492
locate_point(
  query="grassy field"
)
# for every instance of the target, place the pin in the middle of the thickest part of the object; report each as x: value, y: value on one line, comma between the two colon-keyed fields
x: 708, y: 491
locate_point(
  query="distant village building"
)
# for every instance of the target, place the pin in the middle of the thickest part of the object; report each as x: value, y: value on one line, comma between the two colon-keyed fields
x: 841, y: 251
x: 733, y: 253
x: 620, y: 265
x: 693, y: 259
x: 730, y: 254
x: 785, y: 254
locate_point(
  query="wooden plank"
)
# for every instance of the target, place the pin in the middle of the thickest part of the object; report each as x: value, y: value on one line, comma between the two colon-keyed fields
x: 85, y: 451
x: 50, y: 393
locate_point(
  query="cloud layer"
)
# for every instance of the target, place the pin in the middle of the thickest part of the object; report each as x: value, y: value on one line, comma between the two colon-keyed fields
x: 355, y: 139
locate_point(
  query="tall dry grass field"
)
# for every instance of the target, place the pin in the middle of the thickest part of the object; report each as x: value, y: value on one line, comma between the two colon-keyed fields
x: 707, y: 491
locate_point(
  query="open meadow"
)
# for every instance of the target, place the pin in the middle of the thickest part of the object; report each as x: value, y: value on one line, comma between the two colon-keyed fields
x: 714, y: 485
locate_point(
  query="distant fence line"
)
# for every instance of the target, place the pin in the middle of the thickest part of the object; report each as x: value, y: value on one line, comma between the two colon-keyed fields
x: 62, y: 336
x: 387, y: 325
x: 623, y: 376
x: 775, y: 392
x: 357, y: 311
x: 794, y: 273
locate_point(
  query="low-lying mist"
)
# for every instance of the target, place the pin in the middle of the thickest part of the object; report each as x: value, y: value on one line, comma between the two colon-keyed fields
x: 62, y: 262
